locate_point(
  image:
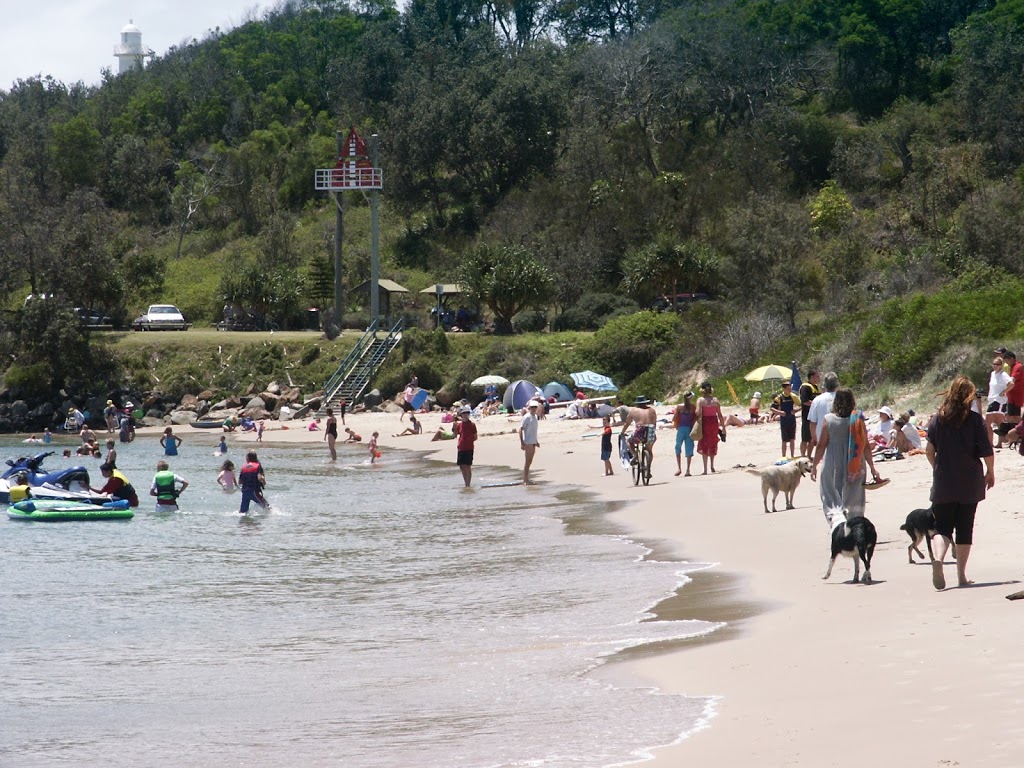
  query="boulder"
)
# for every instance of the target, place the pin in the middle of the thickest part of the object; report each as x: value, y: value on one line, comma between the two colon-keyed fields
x: 207, y: 394
x: 314, y: 402
x: 390, y: 407
x: 230, y: 402
x: 19, y: 410
x: 285, y: 414
x: 43, y: 414
x: 291, y: 395
x: 255, y: 403
x: 270, y: 400
x: 189, y: 403
x: 372, y: 399
x: 301, y: 411
x: 182, y: 417
x: 274, y: 388
x: 445, y: 398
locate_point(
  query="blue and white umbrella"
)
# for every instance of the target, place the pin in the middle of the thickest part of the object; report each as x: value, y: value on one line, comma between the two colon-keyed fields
x: 593, y: 381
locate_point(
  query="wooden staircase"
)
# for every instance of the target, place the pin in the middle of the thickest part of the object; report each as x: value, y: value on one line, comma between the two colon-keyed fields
x: 352, y: 378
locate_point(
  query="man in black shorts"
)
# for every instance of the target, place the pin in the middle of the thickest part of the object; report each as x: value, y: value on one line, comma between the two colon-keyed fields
x: 785, y: 407
x: 808, y: 391
x: 465, y: 432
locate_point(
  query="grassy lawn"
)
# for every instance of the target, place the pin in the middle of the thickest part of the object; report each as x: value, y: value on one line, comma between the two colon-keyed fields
x: 211, y: 337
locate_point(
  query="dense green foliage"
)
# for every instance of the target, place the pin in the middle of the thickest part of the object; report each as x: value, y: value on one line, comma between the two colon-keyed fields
x: 796, y: 158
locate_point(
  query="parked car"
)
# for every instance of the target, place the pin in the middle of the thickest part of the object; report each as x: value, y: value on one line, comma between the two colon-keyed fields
x: 161, y: 317
x: 92, y: 318
x: 682, y: 301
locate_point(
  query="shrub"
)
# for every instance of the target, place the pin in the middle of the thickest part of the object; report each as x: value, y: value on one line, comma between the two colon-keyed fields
x: 627, y: 346
x: 908, y: 334
x: 592, y: 311
x: 530, y: 322
x: 27, y: 380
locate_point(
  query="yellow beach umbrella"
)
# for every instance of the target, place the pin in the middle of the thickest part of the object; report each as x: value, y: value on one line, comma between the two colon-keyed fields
x: 770, y: 373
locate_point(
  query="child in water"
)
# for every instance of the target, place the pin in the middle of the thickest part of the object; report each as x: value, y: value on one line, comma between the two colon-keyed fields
x: 259, y: 432
x: 226, y: 479
x: 170, y: 442
x: 222, y: 447
x: 372, y: 445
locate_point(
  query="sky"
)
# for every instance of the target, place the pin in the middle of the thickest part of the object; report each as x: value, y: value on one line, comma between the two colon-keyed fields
x: 74, y: 40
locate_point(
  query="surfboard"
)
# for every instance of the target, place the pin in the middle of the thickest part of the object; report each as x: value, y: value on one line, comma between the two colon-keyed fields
x: 419, y: 398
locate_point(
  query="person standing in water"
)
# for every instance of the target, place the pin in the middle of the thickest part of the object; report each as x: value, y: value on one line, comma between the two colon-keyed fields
x: 117, y: 485
x: 465, y: 431
x: 251, y: 480
x: 166, y: 487
x: 170, y: 442
x: 331, y: 434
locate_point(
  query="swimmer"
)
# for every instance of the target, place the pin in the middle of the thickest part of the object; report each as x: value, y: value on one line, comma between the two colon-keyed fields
x: 372, y: 445
x: 226, y: 479
x: 352, y: 436
x: 222, y: 447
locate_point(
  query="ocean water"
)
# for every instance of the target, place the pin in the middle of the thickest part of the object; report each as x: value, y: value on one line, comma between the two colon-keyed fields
x: 376, y: 616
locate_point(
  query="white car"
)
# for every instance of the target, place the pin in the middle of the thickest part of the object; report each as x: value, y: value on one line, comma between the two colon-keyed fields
x: 161, y: 317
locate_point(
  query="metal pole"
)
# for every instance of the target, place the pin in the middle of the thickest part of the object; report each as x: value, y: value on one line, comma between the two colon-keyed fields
x: 339, y: 232
x: 374, y: 241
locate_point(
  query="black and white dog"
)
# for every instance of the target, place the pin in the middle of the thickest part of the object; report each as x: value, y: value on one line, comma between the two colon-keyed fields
x: 921, y: 525
x: 853, y: 537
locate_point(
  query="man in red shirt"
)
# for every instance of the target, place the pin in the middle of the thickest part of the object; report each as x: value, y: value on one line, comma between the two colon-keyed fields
x: 465, y: 431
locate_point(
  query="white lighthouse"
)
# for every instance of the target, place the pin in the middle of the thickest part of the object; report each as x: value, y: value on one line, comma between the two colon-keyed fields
x: 130, y: 52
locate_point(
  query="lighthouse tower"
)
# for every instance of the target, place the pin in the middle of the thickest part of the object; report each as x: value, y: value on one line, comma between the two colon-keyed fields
x: 130, y: 52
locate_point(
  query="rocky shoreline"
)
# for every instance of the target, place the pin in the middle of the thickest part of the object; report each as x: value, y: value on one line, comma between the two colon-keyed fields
x: 273, y: 403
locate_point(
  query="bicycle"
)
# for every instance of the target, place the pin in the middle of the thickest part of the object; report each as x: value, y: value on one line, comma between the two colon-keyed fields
x: 641, y: 463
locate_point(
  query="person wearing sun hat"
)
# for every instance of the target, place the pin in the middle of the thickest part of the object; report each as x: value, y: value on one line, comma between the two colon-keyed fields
x: 880, y: 432
x: 75, y: 420
x: 645, y: 420
x: 528, y: 438
x: 110, y: 417
x: 755, y: 408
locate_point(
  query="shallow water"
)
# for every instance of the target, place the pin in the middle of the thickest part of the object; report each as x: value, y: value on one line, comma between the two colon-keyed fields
x: 376, y: 616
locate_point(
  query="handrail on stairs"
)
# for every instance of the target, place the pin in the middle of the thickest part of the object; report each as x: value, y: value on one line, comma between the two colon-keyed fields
x: 355, y: 370
x: 373, y: 362
x: 345, y: 367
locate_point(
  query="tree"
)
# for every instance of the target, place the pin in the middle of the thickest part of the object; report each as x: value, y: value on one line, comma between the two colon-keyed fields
x: 508, y: 279
x: 771, y: 257
x: 668, y: 267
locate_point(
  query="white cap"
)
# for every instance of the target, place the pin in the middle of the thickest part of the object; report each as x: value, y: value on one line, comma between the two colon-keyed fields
x: 886, y: 410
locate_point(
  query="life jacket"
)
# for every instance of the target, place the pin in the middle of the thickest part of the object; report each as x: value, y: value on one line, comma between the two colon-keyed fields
x: 249, y: 476
x: 165, y: 491
x: 19, y: 493
x: 127, y: 491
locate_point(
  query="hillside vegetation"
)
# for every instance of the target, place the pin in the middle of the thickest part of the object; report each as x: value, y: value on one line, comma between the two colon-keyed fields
x: 843, y: 178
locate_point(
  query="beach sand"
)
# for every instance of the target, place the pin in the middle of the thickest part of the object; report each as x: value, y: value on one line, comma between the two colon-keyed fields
x: 808, y: 672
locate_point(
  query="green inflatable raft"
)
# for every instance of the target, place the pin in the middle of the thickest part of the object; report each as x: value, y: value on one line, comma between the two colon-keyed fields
x: 55, y: 511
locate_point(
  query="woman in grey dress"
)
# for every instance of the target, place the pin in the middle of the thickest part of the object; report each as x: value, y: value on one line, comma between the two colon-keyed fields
x: 840, y: 490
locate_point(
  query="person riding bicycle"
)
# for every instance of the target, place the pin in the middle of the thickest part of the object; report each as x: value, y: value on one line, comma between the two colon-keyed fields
x: 644, y: 417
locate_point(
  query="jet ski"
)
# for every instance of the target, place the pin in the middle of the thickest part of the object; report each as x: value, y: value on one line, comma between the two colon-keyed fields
x: 68, y: 483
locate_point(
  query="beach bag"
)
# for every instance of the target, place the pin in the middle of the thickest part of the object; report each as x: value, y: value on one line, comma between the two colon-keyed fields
x: 697, y: 430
